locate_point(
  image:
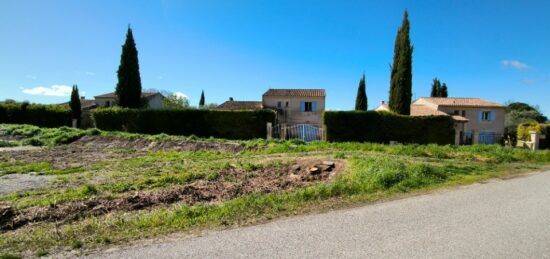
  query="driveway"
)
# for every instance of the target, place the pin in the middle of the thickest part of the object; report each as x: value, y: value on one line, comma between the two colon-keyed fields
x: 502, y: 218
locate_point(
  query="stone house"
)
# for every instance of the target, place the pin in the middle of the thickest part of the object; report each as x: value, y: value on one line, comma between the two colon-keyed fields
x: 293, y: 106
x: 154, y: 100
x: 477, y: 121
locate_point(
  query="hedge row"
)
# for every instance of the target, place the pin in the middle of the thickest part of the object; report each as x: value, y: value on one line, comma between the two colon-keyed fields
x: 201, y: 123
x: 35, y: 114
x: 383, y: 127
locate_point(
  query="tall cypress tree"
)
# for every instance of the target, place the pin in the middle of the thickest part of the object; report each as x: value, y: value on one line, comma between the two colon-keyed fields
x: 361, y: 99
x: 401, y: 70
x: 76, y: 108
x: 436, y: 88
x: 128, y: 88
x: 201, y: 101
x: 443, y: 91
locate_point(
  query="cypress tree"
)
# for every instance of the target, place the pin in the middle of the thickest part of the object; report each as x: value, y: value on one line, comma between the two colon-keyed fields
x: 75, y: 105
x: 436, y: 88
x: 361, y: 99
x: 201, y: 102
x: 128, y: 88
x: 443, y: 91
x: 401, y: 70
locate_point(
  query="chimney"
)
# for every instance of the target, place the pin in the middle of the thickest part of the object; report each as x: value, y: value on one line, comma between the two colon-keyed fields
x: 382, y: 102
x: 82, y: 97
x: 231, y: 99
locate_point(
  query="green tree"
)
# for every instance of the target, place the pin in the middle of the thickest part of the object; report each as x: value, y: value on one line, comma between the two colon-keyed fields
x: 361, y: 99
x: 436, y: 88
x: 401, y: 70
x: 517, y: 113
x: 443, y: 91
x: 174, y: 101
x: 74, y: 103
x: 202, y: 101
x: 128, y: 88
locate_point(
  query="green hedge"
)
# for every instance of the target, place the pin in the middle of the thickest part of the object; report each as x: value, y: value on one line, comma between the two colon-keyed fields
x: 35, y: 114
x: 201, y: 123
x: 383, y: 127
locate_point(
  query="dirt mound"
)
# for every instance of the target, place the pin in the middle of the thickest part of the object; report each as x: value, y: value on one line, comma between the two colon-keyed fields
x: 227, y: 185
x: 89, y: 149
x: 154, y: 145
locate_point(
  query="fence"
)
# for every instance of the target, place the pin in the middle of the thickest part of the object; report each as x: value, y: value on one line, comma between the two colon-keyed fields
x: 305, y: 132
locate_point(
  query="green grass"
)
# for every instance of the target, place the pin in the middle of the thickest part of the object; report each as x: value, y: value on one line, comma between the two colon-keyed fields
x: 372, y: 172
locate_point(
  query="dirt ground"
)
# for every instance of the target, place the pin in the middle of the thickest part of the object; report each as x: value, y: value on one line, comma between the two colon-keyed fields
x: 89, y: 149
x: 227, y: 183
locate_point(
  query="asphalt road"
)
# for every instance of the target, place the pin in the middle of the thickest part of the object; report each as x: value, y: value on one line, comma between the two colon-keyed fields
x: 499, y: 219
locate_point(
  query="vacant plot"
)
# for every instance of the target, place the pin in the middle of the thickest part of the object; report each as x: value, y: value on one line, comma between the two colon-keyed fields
x: 89, y: 189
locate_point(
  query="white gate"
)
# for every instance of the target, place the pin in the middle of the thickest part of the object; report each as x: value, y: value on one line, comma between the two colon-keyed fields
x: 305, y: 132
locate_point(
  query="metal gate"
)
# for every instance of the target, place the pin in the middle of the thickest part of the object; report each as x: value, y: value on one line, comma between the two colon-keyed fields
x: 305, y: 132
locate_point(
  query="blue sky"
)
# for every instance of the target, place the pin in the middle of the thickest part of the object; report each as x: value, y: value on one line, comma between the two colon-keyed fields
x: 498, y: 50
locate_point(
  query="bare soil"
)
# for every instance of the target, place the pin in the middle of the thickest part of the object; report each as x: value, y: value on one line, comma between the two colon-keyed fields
x: 228, y: 184
x: 23, y: 182
x: 89, y: 149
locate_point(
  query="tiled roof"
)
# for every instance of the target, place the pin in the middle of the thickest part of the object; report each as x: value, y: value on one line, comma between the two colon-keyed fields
x: 462, y: 102
x: 240, y: 105
x: 296, y: 92
x: 84, y: 104
x: 112, y: 95
x: 422, y: 110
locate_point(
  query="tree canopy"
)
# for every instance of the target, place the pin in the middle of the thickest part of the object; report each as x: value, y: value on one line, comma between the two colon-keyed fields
x: 128, y: 88
x: 361, y: 99
x: 401, y: 70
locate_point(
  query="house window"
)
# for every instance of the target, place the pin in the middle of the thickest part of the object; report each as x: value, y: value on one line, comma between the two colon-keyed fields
x: 457, y: 112
x: 107, y: 103
x: 279, y: 105
x: 486, y: 116
x: 463, y: 113
x: 308, y: 106
x: 286, y: 105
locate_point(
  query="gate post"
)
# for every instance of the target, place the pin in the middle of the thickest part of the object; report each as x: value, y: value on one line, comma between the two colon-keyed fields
x: 283, y: 131
x: 269, y: 130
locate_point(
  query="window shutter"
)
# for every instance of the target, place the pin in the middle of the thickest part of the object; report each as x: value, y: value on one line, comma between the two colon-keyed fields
x: 492, y: 116
x: 314, y: 106
x: 480, y: 116
x: 302, y: 106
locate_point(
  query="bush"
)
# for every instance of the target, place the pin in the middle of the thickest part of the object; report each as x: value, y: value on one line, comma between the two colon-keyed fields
x: 525, y: 128
x: 35, y: 114
x: 383, y: 127
x: 200, y: 123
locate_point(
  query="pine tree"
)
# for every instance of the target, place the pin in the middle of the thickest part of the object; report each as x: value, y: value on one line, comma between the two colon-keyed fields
x: 443, y: 91
x: 128, y: 88
x: 401, y: 70
x: 201, y: 102
x: 436, y: 88
x: 75, y: 105
x: 361, y: 100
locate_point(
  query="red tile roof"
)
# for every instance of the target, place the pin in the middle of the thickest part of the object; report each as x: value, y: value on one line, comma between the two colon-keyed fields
x: 112, y: 95
x: 462, y: 102
x: 240, y: 105
x: 296, y: 92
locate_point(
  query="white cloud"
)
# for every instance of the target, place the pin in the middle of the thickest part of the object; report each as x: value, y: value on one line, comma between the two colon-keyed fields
x: 182, y: 95
x: 54, y: 90
x: 516, y: 64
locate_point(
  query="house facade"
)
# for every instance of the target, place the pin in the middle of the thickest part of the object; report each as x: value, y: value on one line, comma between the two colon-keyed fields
x: 477, y: 121
x: 296, y: 106
x: 154, y: 100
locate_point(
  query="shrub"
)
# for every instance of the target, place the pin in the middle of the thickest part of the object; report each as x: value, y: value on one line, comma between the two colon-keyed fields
x: 200, y: 123
x: 525, y: 128
x: 35, y: 114
x: 382, y: 127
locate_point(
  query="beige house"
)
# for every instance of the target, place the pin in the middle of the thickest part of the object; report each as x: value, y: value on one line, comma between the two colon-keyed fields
x: 293, y: 106
x: 154, y: 100
x: 476, y: 120
x: 296, y: 106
